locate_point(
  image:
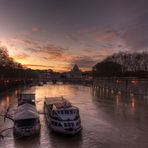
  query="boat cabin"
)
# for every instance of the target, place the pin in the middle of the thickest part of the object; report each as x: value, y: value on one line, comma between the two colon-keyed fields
x: 26, y: 98
x: 60, y: 106
x: 61, y: 115
x: 26, y: 120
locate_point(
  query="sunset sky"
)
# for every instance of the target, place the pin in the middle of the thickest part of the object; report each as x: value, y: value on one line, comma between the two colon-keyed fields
x: 56, y: 34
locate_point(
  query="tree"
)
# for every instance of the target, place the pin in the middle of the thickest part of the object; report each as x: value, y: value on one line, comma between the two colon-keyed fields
x: 106, y: 69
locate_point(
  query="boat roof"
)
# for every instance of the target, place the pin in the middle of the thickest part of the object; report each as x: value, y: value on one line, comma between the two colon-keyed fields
x: 27, y: 96
x: 26, y: 111
x: 58, y: 102
x: 26, y: 106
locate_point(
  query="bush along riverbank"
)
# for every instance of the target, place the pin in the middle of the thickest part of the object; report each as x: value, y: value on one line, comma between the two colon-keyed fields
x: 8, y: 84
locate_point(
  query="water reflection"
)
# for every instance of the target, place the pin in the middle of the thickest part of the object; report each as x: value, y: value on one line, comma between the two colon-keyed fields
x: 133, y: 104
x: 118, y: 97
x: 27, y: 142
x: 120, y: 101
x: 109, y: 119
x: 7, y: 102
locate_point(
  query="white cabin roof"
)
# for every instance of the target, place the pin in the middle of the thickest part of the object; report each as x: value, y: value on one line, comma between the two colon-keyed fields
x: 58, y: 102
x: 26, y: 111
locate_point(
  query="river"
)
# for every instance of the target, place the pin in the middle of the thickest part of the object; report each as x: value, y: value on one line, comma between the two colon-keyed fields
x: 109, y: 120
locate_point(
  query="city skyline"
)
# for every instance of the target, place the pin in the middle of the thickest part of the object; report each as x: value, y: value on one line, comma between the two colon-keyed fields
x: 52, y: 34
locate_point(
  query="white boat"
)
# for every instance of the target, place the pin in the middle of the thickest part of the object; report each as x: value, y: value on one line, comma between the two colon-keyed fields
x: 62, y: 116
x: 26, y: 121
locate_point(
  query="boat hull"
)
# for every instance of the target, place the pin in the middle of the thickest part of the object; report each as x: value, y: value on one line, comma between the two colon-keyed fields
x: 62, y: 130
x: 66, y: 131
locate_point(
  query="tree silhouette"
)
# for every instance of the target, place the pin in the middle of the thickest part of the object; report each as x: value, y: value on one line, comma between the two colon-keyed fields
x: 106, y: 69
x: 11, y: 72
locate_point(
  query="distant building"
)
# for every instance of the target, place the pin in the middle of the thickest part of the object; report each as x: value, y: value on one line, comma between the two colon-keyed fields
x: 44, y: 75
x: 75, y: 72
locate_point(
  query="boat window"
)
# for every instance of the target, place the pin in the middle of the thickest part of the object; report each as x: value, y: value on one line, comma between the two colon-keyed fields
x: 37, y: 121
x: 71, y: 111
x: 26, y: 122
x: 55, y: 123
x: 52, y: 122
x: 54, y: 112
x: 59, y: 124
x: 51, y: 106
x: 58, y: 112
x: 66, y: 111
x: 65, y: 124
x: 61, y: 111
x: 72, y: 124
x: 48, y: 113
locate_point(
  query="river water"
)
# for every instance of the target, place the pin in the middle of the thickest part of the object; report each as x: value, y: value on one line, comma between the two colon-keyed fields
x: 109, y: 120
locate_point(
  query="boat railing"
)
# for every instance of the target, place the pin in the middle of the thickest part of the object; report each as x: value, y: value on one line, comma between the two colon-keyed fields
x: 68, y: 119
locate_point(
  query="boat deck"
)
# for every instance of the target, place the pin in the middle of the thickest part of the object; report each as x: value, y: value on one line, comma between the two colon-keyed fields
x: 58, y: 102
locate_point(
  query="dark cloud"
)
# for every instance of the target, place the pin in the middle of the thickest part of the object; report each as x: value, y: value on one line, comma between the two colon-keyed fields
x: 107, y: 35
x: 83, y: 61
x: 135, y: 30
x: 136, y: 33
x: 87, y: 50
x: 29, y: 42
x: 51, y: 52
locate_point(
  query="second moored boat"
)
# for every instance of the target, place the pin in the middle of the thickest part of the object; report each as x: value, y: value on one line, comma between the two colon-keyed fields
x: 62, y: 116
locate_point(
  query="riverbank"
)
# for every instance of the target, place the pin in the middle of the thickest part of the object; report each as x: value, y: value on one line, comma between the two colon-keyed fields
x: 10, y: 84
x: 130, y: 85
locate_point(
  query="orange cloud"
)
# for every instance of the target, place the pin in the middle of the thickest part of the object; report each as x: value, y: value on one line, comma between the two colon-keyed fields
x: 55, y: 68
x: 38, y: 66
x: 51, y: 52
x: 21, y: 56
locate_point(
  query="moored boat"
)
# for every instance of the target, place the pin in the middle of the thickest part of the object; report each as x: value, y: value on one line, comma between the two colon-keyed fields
x: 62, y: 116
x: 26, y: 117
x: 26, y: 121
